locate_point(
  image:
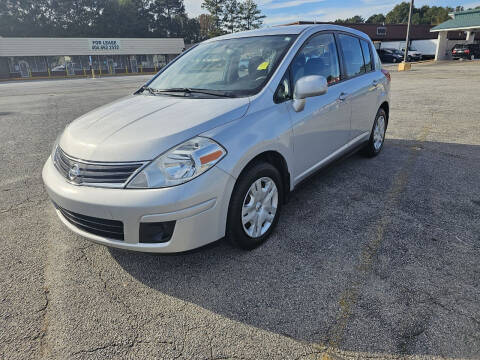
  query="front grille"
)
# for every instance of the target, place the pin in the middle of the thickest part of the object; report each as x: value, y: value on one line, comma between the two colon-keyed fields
x: 112, y: 229
x: 98, y: 174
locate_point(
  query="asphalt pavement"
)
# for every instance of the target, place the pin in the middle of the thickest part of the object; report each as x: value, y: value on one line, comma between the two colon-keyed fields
x: 372, y: 259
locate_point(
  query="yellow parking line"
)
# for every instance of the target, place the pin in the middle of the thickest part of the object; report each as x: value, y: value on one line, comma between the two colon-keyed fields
x: 73, y: 76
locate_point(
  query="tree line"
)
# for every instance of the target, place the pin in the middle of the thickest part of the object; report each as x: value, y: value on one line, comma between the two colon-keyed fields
x: 427, y: 15
x: 163, y: 18
x: 126, y: 18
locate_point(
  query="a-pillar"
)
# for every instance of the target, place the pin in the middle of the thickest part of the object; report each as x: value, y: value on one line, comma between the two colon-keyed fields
x: 442, y: 44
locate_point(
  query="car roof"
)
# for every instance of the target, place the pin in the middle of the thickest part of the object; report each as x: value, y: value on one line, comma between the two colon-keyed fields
x: 289, y: 30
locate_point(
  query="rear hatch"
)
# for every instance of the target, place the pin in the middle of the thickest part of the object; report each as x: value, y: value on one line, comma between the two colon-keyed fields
x: 461, y: 50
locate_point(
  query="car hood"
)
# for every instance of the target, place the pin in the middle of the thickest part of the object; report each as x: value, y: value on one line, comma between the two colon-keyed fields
x: 141, y: 127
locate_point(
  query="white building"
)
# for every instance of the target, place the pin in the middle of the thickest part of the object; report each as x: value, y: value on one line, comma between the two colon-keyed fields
x: 40, y: 57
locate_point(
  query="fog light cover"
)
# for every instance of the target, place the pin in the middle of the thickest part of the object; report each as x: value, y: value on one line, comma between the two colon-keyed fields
x: 156, y: 233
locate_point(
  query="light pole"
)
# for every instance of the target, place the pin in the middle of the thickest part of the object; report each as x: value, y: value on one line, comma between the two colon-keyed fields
x: 405, y: 58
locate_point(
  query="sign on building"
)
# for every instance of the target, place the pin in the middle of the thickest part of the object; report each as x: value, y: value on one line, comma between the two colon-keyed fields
x: 104, y: 44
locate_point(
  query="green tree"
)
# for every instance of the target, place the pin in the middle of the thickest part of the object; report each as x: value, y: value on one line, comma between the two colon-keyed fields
x: 425, y: 15
x: 124, y: 18
x: 357, y: 19
x: 207, y: 26
x: 26, y: 17
x: 376, y: 19
x: 75, y: 17
x: 435, y: 15
x: 251, y: 16
x: 168, y: 17
x: 231, y: 16
x: 216, y: 9
x: 399, y: 14
x: 191, y: 31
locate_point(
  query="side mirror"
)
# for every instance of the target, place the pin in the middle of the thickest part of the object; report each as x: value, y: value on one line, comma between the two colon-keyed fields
x: 308, y: 86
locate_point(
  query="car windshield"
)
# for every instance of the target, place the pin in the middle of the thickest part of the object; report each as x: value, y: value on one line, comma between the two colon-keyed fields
x: 398, y: 52
x: 233, y: 67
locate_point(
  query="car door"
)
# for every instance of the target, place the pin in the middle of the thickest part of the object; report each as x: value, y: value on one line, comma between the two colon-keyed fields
x: 362, y: 83
x: 389, y: 56
x: 383, y: 55
x: 323, y: 126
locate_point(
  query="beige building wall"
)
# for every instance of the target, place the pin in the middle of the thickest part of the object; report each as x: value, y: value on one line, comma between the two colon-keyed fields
x: 83, y: 46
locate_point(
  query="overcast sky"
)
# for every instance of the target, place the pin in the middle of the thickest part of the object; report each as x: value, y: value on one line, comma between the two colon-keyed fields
x: 284, y: 11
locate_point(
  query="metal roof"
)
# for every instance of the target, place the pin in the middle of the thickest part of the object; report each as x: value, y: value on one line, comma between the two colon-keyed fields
x: 462, y: 20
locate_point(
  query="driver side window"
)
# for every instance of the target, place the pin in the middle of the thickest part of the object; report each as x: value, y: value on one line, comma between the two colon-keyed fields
x: 317, y: 57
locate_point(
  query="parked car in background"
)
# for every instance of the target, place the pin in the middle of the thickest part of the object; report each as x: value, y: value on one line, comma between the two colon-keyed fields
x: 413, y: 54
x: 466, y: 51
x: 210, y: 149
x: 390, y: 55
x: 59, y: 68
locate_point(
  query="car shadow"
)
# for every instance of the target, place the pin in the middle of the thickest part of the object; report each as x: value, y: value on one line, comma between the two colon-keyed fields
x: 379, y: 229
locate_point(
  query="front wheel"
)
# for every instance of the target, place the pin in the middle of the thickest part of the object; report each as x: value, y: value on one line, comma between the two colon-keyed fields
x: 254, y: 206
x: 377, y: 136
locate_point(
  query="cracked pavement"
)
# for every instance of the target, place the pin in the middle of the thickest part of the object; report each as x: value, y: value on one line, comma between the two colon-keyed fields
x: 372, y: 259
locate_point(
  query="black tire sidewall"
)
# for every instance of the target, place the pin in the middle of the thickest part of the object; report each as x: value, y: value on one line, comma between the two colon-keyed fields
x: 235, y: 233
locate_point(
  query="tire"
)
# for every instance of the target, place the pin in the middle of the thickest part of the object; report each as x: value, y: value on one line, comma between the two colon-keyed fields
x: 373, y: 147
x: 238, y: 211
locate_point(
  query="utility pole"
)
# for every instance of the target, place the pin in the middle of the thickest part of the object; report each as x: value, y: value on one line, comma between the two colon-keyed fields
x: 405, y: 58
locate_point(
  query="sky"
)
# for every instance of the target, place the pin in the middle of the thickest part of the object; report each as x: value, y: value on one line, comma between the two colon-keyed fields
x: 286, y: 11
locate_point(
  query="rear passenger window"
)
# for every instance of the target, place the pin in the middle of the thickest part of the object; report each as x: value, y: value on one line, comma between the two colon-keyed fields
x: 318, y: 57
x: 366, y: 56
x: 352, y: 55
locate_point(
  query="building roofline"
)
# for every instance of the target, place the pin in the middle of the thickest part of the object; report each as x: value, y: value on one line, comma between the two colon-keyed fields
x: 456, y: 29
x: 294, y: 29
x: 307, y: 22
x: 89, y: 38
x: 467, y: 12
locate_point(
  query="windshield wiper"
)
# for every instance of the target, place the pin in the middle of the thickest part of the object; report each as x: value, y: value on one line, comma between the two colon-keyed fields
x: 152, y: 91
x: 196, y: 91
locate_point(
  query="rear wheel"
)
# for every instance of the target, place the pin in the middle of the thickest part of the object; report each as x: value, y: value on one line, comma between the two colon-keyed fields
x: 377, y: 136
x: 254, y: 206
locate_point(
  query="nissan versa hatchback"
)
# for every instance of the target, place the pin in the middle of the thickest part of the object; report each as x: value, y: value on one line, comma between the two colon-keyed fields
x: 211, y: 146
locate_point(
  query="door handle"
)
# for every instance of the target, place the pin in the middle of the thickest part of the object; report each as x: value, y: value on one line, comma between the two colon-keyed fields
x: 343, y: 96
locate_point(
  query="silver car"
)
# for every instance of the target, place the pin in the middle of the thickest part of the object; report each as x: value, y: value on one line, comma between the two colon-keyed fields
x: 211, y: 146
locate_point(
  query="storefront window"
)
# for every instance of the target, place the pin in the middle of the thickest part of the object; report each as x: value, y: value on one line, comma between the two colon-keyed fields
x: 159, y: 61
x: 56, y: 63
x: 71, y: 65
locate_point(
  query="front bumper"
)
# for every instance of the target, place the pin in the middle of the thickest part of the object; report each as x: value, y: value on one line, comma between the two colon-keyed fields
x: 199, y: 208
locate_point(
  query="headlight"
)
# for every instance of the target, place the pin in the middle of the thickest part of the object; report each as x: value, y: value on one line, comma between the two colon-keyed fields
x: 180, y: 164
